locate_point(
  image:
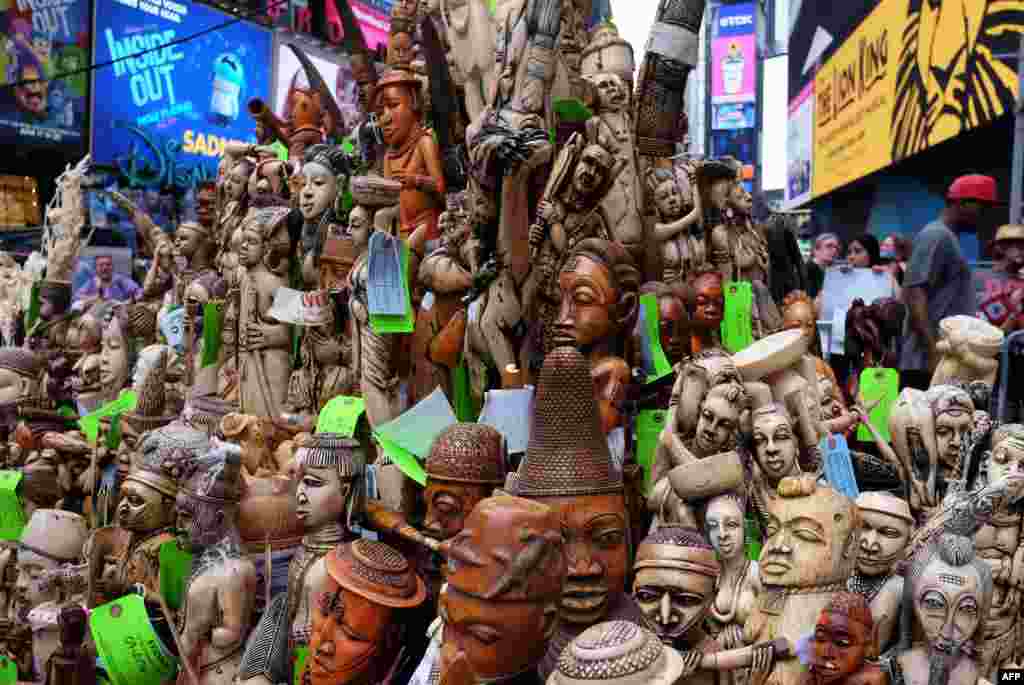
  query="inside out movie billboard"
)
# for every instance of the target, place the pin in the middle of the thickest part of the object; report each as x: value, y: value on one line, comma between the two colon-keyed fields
x: 41, y: 39
x: 167, y: 114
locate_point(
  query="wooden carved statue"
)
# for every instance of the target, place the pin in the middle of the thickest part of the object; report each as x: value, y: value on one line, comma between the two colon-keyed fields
x: 234, y: 193
x: 947, y: 593
x: 505, y: 573
x: 568, y: 467
x: 328, y: 503
x: 707, y: 309
x: 252, y: 434
x: 798, y: 312
x: 679, y: 229
x: 886, y: 525
x: 843, y: 647
x: 808, y: 555
x: 72, y: 663
x: 325, y: 170
x: 599, y: 305
x: 263, y: 345
x: 471, y: 35
x: 88, y: 336
x: 206, y: 378
x: 217, y: 612
x: 357, y: 626
x: 970, y: 350
x: 48, y: 553
x: 673, y: 324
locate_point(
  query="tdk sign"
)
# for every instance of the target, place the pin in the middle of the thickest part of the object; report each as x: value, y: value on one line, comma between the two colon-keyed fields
x: 737, y: 19
x: 736, y: 22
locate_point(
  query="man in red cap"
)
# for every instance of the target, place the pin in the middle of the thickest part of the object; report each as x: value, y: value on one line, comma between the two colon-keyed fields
x: 938, y: 279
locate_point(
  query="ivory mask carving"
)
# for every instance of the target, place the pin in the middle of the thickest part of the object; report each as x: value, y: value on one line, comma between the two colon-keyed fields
x: 319, y: 192
x: 883, y: 541
x: 321, y: 496
x: 775, y: 443
x: 114, y: 367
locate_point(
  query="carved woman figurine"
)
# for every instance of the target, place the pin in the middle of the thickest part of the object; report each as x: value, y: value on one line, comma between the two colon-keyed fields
x: 235, y: 188
x: 85, y: 384
x: 678, y: 231
x: 324, y: 170
x: 739, y: 584
x: 777, y: 452
x: 264, y: 365
x: 116, y: 357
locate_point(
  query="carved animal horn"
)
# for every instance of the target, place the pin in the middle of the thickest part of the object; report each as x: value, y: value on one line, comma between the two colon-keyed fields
x: 316, y: 81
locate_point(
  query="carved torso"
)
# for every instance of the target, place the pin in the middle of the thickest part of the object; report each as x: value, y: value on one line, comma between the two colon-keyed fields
x: 416, y: 207
x: 263, y: 371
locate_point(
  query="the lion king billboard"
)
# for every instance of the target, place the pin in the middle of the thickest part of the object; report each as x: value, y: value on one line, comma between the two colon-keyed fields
x: 913, y: 74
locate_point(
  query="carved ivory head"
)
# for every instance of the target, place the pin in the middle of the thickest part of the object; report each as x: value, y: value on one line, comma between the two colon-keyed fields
x: 1007, y: 456
x: 705, y: 370
x: 722, y: 413
x: 886, y: 525
x: 775, y: 442
x: 20, y: 373
x: 330, y: 490
x: 812, y: 540
x: 953, y: 414
x: 115, y: 355
x: 724, y: 524
x: 324, y: 170
x: 52, y: 539
x: 676, y: 575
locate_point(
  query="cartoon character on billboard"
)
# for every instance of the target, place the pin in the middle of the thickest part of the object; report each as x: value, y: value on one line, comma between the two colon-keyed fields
x: 31, y: 98
x: 228, y: 83
x: 732, y: 70
x: 70, y: 59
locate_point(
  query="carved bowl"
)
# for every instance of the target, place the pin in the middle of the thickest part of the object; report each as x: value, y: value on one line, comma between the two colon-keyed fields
x: 769, y: 355
x: 375, y: 191
x: 982, y: 338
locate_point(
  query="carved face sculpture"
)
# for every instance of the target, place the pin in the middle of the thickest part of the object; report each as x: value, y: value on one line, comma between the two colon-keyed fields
x: 236, y: 181
x: 448, y: 505
x: 669, y: 200
x: 724, y: 525
x: 676, y: 574
x: 396, y: 114
x: 591, y: 170
x: 720, y: 191
x: 811, y: 539
x: 775, y: 443
x: 800, y: 315
x: 114, y: 365
x: 206, y: 205
x: 672, y: 321
x: 719, y: 419
x: 187, y: 241
x: 1007, y: 453
x: 709, y: 301
x: 35, y: 583
x: 143, y: 509
x: 596, y: 552
x: 505, y: 573
x: 88, y: 333
x: 253, y: 248
x: 947, y: 603
x: 831, y: 404
x: 611, y: 91
x: 883, y: 540
x: 740, y: 199
x: 321, y: 497
x: 319, y: 192
x: 588, y: 298
x: 360, y: 226
x: 842, y: 639
x: 952, y: 432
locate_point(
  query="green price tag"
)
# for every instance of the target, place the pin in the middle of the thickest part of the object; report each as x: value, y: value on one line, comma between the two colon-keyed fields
x: 213, y: 324
x: 385, y: 324
x: 301, y: 654
x: 66, y: 411
x: 341, y: 415
x: 175, y: 568
x: 405, y: 460
x: 652, y: 338
x: 114, y: 434
x: 8, y: 671
x: 132, y: 652
x: 737, y: 326
x: 649, y: 424
x: 33, y: 308
x: 753, y: 538
x: 90, y: 423
x: 464, y: 406
x: 878, y: 384
x: 12, y: 516
x: 281, y: 150
x: 572, y: 110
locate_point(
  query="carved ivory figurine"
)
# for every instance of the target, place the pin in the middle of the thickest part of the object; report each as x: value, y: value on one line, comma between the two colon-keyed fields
x: 568, y: 467
x: 970, y: 350
x: 843, y: 640
x: 946, y: 597
x: 886, y: 525
x: 599, y: 304
x: 88, y: 335
x: 49, y: 547
x: 740, y: 583
x: 810, y: 550
x: 325, y: 171
x: 219, y: 594
x: 357, y: 626
x: 500, y: 605
x: 116, y: 357
x: 678, y: 231
x: 264, y: 364
x: 777, y: 451
x: 329, y: 501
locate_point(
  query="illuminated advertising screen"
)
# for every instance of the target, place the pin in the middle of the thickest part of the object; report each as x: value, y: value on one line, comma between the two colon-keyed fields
x: 41, y: 39
x: 734, y: 55
x: 166, y: 107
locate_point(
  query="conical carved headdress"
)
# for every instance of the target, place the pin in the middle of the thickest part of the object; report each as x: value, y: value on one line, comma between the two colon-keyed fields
x: 150, y: 411
x: 568, y: 454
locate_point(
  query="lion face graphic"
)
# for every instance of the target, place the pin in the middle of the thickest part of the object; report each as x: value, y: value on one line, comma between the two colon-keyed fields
x: 956, y: 69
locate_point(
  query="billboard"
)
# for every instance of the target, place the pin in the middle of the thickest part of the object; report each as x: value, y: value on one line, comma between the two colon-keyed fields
x: 165, y: 115
x: 373, y: 17
x: 911, y: 76
x: 41, y: 39
x: 336, y: 71
x: 800, y: 147
x: 817, y: 29
x: 774, y: 123
x: 734, y: 55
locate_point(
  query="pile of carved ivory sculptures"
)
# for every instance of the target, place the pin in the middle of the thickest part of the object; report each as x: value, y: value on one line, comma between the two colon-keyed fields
x: 200, y: 525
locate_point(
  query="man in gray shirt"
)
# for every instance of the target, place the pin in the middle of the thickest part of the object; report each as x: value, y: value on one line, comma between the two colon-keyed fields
x: 938, y: 280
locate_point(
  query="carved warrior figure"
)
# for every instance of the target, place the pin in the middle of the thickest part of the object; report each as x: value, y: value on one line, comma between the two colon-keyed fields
x: 886, y: 524
x: 329, y: 501
x: 505, y: 572
x: 679, y: 229
x: 843, y: 641
x: 264, y: 364
x: 808, y: 555
x: 618, y: 652
x: 357, y: 626
x: 568, y: 467
x: 947, y: 593
x: 217, y: 612
x: 48, y: 551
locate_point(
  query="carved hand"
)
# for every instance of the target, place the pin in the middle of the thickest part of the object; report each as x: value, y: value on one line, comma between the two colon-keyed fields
x: 761, y: 667
x: 691, y: 662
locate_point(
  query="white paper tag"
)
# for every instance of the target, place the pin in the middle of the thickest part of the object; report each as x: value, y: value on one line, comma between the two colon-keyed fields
x: 299, y: 308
